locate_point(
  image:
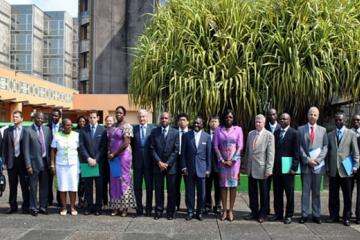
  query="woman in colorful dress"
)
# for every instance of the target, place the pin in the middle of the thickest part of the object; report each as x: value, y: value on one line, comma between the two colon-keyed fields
x: 228, y: 143
x: 121, y: 190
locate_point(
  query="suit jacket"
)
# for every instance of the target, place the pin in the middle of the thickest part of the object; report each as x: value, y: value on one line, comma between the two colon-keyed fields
x: 92, y: 147
x: 49, y: 125
x: 165, y: 150
x: 267, y: 127
x: 320, y: 141
x: 9, y: 148
x: 288, y: 147
x: 338, y: 152
x: 197, y: 160
x: 35, y: 159
x: 214, y: 159
x: 141, y: 154
x: 259, y: 161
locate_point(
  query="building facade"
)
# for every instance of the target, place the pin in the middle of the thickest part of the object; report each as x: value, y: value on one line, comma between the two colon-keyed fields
x: 5, y: 27
x: 75, y: 56
x: 107, y: 32
x: 27, y: 37
x: 58, y: 48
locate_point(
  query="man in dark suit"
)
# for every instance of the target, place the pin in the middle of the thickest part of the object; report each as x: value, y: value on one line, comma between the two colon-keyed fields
x: 15, y: 151
x: 183, y: 124
x: 196, y: 165
x: 214, y: 173
x: 142, y: 163
x: 287, y: 144
x: 356, y: 129
x: 92, y: 145
x: 164, y: 146
x: 313, y: 150
x: 342, y: 144
x: 38, y: 140
x: 55, y: 126
x: 271, y: 125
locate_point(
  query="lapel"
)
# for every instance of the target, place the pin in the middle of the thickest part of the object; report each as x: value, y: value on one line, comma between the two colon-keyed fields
x: 138, y: 132
x: 342, y: 139
x: 192, y: 139
x: 11, y: 133
x: 307, y: 136
x: 148, y: 131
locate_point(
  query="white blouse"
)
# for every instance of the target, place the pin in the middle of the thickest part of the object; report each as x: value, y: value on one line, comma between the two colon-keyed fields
x: 66, y: 146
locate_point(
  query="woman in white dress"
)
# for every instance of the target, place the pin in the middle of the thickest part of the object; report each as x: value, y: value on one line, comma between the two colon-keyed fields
x: 65, y: 164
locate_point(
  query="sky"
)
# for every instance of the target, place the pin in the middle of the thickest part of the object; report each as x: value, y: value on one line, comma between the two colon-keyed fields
x: 71, y: 6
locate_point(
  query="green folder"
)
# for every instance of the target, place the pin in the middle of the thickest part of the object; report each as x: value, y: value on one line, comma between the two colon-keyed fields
x: 286, y: 163
x: 88, y: 171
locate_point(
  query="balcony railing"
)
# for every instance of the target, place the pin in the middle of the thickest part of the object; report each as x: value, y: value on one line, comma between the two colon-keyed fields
x: 84, y: 74
x: 84, y: 17
x: 84, y: 46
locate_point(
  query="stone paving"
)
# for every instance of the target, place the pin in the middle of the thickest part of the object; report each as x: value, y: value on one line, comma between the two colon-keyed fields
x: 54, y: 226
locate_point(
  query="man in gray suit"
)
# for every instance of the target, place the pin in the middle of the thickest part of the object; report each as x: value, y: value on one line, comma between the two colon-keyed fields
x: 142, y: 163
x: 342, y: 144
x: 38, y: 140
x: 313, y: 150
x: 259, y: 162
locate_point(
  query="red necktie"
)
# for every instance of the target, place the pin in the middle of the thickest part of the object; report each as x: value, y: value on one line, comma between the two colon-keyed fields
x: 312, y: 135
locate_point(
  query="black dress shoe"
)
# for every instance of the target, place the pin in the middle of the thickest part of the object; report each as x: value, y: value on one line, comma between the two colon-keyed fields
x: 87, y: 212
x: 33, y: 212
x: 332, y: 220
x: 250, y: 217
x: 139, y: 212
x: 316, y: 220
x: 303, y: 220
x: 11, y: 210
x: 25, y: 211
x: 189, y: 217
x: 199, y: 217
x: 346, y: 223
x: 148, y: 213
x: 216, y: 210
x: 170, y: 217
x: 261, y: 219
x: 43, y: 211
x: 157, y: 216
x: 357, y: 221
x: 276, y: 218
x: 207, y: 210
x: 97, y: 213
x: 287, y: 220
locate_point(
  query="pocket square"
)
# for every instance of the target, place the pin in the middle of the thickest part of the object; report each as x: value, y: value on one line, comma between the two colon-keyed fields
x: 203, y: 143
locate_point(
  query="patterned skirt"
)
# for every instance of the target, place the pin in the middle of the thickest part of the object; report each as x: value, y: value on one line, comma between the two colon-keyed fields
x: 126, y: 201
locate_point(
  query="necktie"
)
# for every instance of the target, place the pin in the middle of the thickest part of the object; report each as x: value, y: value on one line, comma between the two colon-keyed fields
x: 142, y: 135
x: 282, y: 135
x: 312, y: 135
x: 92, y: 131
x: 17, y: 142
x: 41, y: 140
x: 256, y: 139
x: 164, y: 133
x: 338, y: 136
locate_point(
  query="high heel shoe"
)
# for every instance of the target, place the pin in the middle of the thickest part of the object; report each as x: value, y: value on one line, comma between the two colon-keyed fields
x: 231, y: 216
x: 224, y: 215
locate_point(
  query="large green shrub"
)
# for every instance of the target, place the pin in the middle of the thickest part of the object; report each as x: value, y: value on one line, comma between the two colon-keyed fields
x: 201, y: 56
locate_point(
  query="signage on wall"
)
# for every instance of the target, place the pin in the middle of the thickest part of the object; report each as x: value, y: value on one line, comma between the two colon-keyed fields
x: 20, y: 87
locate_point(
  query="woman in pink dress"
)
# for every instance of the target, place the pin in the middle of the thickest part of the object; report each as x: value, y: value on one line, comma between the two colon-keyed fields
x: 228, y: 143
x: 121, y: 190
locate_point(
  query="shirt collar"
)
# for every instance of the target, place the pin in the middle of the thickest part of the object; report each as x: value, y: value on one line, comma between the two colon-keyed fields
x: 315, y: 125
x: 143, y: 125
x: 184, y: 130
x: 285, y: 129
x: 95, y: 126
x: 341, y: 129
x: 197, y: 133
x: 273, y: 125
x: 167, y: 128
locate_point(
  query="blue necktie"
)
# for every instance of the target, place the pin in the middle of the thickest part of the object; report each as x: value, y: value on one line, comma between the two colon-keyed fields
x: 282, y: 135
x: 92, y: 131
x: 142, y: 135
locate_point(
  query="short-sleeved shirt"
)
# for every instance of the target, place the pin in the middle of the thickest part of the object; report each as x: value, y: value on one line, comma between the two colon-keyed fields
x: 66, y: 146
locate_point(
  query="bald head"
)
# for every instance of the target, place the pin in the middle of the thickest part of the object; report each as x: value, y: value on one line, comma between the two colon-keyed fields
x: 313, y: 115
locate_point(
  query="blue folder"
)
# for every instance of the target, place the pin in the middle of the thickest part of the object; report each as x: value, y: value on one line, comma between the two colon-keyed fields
x: 348, y: 165
x: 115, y: 167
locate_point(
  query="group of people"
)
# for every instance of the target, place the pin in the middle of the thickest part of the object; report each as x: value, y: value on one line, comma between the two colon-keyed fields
x: 123, y: 157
